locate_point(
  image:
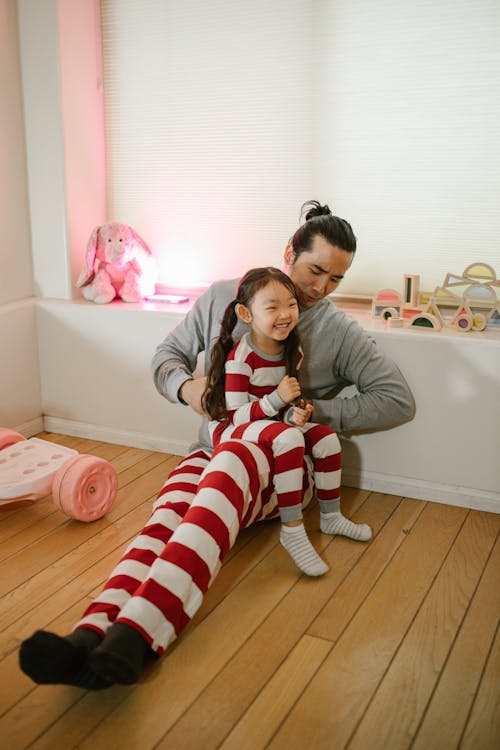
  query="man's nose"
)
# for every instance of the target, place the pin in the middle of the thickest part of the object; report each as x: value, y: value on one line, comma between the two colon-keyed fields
x: 319, y: 286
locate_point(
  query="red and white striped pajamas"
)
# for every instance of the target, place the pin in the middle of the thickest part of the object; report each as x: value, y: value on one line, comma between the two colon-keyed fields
x: 255, y: 411
x: 161, y: 580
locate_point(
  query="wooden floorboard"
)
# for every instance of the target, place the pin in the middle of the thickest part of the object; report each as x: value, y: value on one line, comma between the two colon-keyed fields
x: 396, y: 647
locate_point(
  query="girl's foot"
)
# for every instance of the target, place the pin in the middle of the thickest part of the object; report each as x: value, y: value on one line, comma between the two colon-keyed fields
x: 50, y: 659
x: 121, y: 655
x: 336, y: 523
x: 295, y: 540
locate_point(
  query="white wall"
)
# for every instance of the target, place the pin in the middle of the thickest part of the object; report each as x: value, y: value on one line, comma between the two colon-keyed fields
x: 20, y: 397
x: 448, y: 453
x: 16, y: 279
x: 62, y: 87
x: 20, y: 390
x: 95, y: 375
x: 52, y: 177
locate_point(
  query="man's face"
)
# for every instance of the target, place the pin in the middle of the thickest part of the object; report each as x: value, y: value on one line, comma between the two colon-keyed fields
x: 317, y: 272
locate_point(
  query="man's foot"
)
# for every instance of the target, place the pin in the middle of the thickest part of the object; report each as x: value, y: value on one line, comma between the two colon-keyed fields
x: 336, y: 523
x: 121, y: 655
x: 50, y: 659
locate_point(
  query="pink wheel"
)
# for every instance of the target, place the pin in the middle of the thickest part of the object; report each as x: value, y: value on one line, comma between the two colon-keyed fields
x: 9, y: 437
x: 84, y: 487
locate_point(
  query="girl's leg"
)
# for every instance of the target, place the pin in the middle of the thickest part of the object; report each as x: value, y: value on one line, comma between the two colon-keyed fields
x: 287, y: 445
x: 323, y: 445
x: 172, y: 504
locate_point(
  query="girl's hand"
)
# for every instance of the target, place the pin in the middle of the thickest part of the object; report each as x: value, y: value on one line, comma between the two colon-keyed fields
x: 301, y: 414
x: 289, y: 389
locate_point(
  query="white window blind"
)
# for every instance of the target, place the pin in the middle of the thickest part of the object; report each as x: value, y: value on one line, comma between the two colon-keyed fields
x: 223, y: 117
x: 208, y: 109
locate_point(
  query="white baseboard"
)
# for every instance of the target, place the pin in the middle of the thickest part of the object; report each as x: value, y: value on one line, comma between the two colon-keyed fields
x: 112, y: 435
x: 464, y: 497
x: 30, y: 428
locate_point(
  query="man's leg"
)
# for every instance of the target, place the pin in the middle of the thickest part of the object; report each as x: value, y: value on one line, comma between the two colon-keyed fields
x: 48, y: 658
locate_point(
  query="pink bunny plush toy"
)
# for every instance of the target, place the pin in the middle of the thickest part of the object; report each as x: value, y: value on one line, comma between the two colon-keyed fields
x: 118, y: 263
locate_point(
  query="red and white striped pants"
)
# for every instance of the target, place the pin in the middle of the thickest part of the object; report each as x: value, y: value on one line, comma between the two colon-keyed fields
x: 289, y: 444
x: 161, y: 580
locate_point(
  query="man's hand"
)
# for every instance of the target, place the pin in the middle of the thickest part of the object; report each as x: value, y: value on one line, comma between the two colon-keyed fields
x: 289, y: 389
x: 191, y: 392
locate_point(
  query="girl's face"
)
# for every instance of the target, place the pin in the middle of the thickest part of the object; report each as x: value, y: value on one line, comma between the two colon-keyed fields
x: 273, y: 313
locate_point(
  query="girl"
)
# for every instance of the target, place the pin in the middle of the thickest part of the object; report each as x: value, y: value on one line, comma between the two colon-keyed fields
x: 253, y: 394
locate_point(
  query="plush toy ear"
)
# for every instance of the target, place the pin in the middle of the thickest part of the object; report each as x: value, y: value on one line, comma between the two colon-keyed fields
x: 139, y: 241
x: 87, y: 272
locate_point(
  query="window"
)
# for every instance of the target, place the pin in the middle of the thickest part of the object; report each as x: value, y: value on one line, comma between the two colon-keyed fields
x: 222, y: 118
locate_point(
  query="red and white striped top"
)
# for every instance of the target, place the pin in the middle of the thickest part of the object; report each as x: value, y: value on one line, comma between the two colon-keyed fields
x: 252, y: 379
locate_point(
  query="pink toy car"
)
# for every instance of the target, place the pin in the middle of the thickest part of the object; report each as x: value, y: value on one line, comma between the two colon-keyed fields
x: 83, y: 487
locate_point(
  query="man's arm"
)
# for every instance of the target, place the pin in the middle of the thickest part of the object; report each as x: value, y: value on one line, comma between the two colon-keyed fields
x: 175, y: 359
x: 383, y: 399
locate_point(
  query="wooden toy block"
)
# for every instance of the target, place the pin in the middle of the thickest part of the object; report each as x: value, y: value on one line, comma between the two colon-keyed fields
x: 468, y: 301
x: 411, y: 288
x: 390, y: 312
x: 463, y: 321
x: 452, y: 279
x: 479, y: 321
x: 481, y: 272
x: 426, y: 320
x: 423, y: 299
x: 394, y: 322
x: 494, y: 321
x: 481, y: 296
x: 443, y: 305
x: 384, y: 299
x: 410, y: 312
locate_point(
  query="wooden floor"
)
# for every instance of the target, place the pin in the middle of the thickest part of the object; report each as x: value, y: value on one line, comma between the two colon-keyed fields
x: 398, y: 646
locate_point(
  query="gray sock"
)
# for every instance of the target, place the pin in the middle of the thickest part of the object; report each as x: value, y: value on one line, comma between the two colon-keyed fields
x: 296, y: 542
x: 336, y: 523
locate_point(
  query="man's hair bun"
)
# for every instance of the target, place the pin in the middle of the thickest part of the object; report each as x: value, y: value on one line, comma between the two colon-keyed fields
x: 311, y: 209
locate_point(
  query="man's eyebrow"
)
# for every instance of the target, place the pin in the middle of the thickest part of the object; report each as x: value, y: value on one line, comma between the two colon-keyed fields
x: 323, y: 270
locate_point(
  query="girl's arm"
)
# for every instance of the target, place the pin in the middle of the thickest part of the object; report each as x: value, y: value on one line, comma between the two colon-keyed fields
x: 240, y: 405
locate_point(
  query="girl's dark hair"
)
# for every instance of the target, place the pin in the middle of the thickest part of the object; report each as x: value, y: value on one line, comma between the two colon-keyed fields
x: 320, y: 220
x: 214, y: 396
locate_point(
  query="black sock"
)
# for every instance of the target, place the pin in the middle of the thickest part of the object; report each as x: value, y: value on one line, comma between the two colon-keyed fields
x: 121, y: 655
x: 50, y: 659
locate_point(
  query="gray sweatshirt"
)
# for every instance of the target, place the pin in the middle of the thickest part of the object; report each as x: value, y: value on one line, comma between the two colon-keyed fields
x: 337, y: 353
